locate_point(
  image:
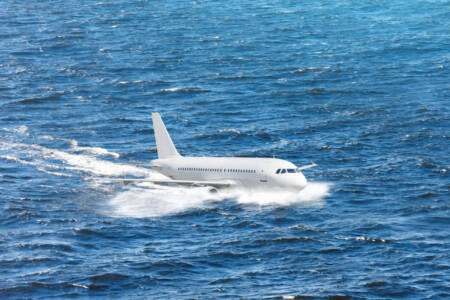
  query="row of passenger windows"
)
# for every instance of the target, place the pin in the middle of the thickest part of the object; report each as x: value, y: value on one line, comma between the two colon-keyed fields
x: 218, y: 170
x: 283, y: 171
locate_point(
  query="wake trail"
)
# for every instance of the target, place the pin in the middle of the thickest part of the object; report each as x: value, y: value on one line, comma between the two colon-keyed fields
x: 69, y: 162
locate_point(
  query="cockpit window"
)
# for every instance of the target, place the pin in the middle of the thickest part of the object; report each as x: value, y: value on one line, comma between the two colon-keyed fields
x: 283, y: 171
x: 278, y: 171
x: 291, y: 170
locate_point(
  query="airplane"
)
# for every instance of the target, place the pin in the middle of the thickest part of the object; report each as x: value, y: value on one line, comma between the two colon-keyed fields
x: 220, y: 172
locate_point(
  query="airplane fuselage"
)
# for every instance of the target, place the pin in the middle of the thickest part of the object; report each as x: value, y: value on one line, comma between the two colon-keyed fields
x: 219, y: 172
x: 247, y: 172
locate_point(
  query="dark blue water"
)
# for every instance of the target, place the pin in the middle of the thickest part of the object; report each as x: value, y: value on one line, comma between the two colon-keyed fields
x: 359, y: 87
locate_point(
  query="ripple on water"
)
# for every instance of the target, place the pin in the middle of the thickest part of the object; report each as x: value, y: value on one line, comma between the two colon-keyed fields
x: 357, y: 87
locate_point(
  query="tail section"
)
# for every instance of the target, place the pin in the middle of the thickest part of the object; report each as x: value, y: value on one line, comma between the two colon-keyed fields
x: 164, y: 143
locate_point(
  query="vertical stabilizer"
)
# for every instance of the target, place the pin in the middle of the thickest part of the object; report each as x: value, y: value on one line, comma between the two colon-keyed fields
x: 164, y: 143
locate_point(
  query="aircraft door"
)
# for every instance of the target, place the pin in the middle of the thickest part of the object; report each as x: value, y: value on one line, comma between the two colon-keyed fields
x: 263, y: 177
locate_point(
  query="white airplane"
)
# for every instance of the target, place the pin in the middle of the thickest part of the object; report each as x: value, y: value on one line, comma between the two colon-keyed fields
x: 220, y: 172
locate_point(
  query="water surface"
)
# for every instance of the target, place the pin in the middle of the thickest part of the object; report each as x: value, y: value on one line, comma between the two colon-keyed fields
x: 361, y: 88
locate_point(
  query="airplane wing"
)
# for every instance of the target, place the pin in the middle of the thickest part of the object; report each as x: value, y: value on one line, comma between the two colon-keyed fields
x: 212, y: 183
x: 306, y: 167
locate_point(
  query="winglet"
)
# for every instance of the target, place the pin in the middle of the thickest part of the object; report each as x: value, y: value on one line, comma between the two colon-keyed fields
x: 164, y: 144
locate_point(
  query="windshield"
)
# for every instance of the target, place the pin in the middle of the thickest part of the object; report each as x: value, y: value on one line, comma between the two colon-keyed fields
x: 284, y: 171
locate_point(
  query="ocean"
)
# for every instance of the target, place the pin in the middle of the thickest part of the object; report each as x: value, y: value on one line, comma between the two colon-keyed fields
x: 361, y: 88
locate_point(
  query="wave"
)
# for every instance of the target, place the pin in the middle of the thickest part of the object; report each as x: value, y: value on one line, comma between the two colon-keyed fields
x: 40, y: 166
x: 233, y: 132
x: 22, y: 130
x: 93, y: 150
x: 36, y: 100
x: 183, y: 90
x: 129, y: 82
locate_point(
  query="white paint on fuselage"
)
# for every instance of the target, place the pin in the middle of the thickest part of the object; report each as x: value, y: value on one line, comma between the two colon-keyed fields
x: 247, y: 172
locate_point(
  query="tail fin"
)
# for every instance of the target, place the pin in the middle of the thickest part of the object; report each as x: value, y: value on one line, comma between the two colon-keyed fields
x: 164, y: 143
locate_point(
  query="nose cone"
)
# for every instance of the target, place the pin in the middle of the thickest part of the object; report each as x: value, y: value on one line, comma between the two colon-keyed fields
x: 290, y: 181
x: 301, y: 181
x: 295, y: 182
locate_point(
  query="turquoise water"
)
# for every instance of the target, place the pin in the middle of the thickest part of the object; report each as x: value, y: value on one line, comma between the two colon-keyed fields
x: 359, y: 87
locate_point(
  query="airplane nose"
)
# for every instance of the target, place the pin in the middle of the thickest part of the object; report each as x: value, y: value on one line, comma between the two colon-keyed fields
x: 301, y: 181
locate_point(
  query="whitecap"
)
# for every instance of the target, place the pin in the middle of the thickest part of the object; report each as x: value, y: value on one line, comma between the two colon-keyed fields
x: 170, y: 90
x: 231, y: 130
x: 97, y: 151
x: 23, y: 130
x: 93, y: 150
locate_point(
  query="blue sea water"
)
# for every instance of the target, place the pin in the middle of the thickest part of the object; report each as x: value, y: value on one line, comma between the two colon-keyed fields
x: 359, y: 87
